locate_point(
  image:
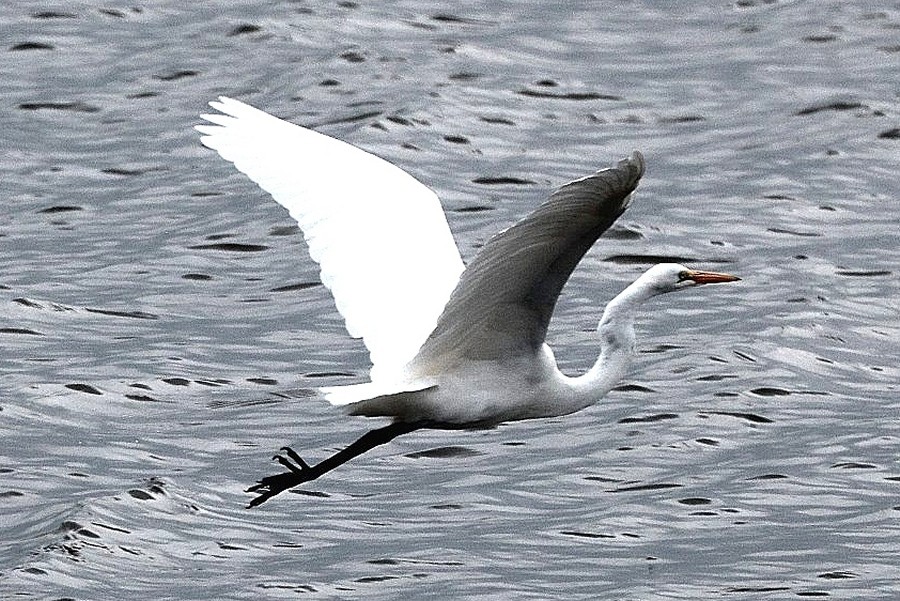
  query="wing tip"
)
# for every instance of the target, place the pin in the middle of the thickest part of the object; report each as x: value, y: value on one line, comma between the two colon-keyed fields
x: 636, y: 166
x: 231, y: 115
x: 228, y: 109
x: 627, y: 171
x: 636, y: 161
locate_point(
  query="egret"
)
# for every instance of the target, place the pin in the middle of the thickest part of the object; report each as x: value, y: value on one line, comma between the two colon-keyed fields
x: 451, y: 345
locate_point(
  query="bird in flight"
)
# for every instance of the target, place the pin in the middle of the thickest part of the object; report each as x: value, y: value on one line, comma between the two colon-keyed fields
x: 452, y: 346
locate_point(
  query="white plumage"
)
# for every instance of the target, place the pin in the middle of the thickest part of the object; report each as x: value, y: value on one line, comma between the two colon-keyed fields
x: 450, y: 346
x: 378, y: 234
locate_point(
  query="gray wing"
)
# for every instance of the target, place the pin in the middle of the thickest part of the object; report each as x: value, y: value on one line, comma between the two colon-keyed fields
x: 504, y: 299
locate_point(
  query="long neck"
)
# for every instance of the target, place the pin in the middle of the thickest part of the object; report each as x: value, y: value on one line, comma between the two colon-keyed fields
x: 616, y: 330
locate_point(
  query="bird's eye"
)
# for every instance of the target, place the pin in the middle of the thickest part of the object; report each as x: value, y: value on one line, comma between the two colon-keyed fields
x: 684, y: 275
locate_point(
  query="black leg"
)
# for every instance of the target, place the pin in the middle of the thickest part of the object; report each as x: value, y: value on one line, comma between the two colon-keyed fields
x: 299, y: 471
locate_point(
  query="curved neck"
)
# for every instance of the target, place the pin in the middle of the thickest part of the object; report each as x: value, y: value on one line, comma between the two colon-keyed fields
x: 616, y: 330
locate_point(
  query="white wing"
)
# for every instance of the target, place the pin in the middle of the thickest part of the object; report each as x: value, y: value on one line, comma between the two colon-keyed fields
x: 379, y: 235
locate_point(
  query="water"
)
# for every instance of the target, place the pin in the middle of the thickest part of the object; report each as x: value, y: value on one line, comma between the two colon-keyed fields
x: 162, y: 322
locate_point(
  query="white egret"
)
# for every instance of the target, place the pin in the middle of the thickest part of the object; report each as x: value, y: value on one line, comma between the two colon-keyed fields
x: 452, y: 346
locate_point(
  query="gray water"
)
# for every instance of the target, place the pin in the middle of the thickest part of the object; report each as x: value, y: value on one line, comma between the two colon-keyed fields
x: 163, y: 325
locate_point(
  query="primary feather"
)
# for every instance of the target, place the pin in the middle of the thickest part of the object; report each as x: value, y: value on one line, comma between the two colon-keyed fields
x: 379, y: 235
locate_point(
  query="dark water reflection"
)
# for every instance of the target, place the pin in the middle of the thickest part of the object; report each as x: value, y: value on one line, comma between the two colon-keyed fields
x: 163, y: 325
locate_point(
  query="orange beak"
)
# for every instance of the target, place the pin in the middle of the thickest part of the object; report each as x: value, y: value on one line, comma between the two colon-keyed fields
x: 711, y: 277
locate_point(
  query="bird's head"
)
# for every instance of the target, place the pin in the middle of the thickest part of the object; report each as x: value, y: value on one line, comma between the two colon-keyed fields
x: 669, y: 277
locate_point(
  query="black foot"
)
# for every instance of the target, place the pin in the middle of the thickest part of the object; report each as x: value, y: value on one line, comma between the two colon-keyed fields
x: 293, y: 461
x: 270, y: 486
x: 299, y: 471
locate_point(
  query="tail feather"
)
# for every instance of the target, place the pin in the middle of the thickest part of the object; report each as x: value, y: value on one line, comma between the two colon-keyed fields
x: 369, y: 391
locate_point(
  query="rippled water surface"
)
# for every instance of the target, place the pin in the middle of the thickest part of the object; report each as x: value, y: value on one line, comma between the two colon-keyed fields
x: 163, y: 325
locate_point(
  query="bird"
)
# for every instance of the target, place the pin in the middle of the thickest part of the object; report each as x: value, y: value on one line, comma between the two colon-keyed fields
x: 452, y: 346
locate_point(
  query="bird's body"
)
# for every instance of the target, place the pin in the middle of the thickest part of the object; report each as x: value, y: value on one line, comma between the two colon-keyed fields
x: 481, y: 393
x: 452, y: 346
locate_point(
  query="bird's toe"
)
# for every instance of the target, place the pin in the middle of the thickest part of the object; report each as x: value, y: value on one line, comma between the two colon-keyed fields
x: 292, y: 454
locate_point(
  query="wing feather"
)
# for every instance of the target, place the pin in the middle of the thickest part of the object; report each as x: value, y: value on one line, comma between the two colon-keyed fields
x: 379, y: 235
x: 503, y: 302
